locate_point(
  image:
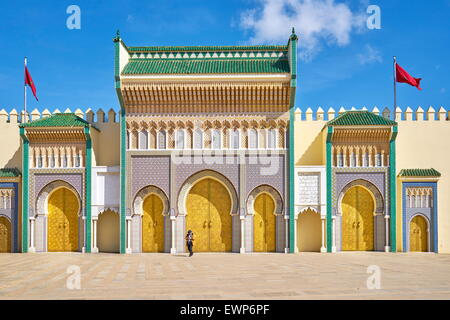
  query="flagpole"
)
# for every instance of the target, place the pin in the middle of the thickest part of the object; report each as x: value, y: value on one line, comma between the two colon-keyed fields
x: 395, y: 83
x: 25, y: 91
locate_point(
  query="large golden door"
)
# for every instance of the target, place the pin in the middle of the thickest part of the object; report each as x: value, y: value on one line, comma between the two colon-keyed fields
x: 418, y: 241
x: 63, y: 210
x: 208, y: 206
x: 108, y: 227
x: 357, y: 220
x: 153, y: 225
x: 264, y: 222
x: 5, y: 235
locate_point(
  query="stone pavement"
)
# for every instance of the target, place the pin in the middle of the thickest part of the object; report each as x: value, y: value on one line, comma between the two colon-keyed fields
x: 225, y: 276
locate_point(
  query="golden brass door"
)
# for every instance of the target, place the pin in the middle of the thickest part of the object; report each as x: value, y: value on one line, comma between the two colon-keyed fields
x: 357, y: 220
x: 264, y: 222
x: 220, y: 229
x: 153, y: 225
x: 5, y: 235
x: 63, y: 210
x: 418, y: 238
x: 208, y: 206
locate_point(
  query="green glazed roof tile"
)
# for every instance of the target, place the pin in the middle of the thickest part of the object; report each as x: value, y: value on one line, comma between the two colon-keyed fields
x: 9, y: 172
x: 205, y: 66
x: 205, y: 48
x: 58, y: 120
x: 360, y: 118
x: 419, y: 173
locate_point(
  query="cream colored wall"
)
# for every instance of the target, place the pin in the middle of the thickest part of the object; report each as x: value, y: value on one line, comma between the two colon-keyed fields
x: 107, y: 146
x: 421, y: 144
x: 309, y: 141
x: 426, y: 144
x: 10, y: 146
x: 106, y: 143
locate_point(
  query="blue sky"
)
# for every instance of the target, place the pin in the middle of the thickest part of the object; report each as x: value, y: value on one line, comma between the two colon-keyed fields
x: 343, y: 62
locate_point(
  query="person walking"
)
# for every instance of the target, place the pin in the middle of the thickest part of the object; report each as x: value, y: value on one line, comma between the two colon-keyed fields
x: 189, y: 242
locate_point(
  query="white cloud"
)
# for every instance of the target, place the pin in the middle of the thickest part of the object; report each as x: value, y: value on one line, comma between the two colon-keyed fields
x: 315, y: 21
x: 370, y: 55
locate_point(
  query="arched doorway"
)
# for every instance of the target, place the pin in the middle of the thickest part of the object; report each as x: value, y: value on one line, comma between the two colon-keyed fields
x: 309, y: 234
x: 358, y: 220
x: 5, y: 235
x: 264, y: 222
x: 152, y: 224
x: 108, y: 232
x: 63, y: 208
x: 418, y: 235
x: 208, y: 206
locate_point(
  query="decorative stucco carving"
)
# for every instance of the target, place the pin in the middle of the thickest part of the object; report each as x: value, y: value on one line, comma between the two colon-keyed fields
x: 144, y: 193
x: 42, y: 198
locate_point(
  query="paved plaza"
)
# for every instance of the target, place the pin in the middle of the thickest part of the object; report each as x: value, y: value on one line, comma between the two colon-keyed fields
x: 224, y: 276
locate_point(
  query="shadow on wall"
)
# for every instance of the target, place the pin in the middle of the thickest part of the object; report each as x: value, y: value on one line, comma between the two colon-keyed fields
x: 16, y: 160
x: 314, y: 154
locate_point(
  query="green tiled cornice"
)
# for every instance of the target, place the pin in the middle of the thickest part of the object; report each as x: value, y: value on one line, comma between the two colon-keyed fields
x: 360, y: 118
x: 419, y: 173
x: 9, y: 173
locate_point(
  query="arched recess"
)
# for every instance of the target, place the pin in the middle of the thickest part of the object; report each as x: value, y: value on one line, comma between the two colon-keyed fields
x: 419, y: 233
x: 197, y: 177
x: 358, y: 219
x: 108, y: 226
x: 5, y: 234
x: 309, y: 231
x: 63, y: 208
x: 375, y: 193
x: 44, y: 194
x: 152, y: 204
x: 269, y: 190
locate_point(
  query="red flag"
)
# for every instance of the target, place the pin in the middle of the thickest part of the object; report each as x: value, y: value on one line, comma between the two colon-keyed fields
x: 405, y: 77
x: 29, y: 82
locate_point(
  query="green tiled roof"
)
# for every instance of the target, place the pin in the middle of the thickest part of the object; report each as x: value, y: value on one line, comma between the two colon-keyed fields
x: 208, y: 66
x: 205, y: 48
x: 360, y: 118
x: 58, y: 120
x: 419, y: 173
x: 9, y: 172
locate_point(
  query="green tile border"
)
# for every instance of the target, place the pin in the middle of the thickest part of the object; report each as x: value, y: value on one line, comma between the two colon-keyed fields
x: 122, y: 117
x: 393, y: 189
x: 329, y: 189
x: 88, y: 187
x: 292, y: 45
x: 25, y: 188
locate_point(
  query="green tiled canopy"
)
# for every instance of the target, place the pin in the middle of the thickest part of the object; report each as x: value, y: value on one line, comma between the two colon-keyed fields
x: 205, y: 66
x: 419, y: 173
x: 360, y: 118
x: 9, y: 172
x: 58, y: 120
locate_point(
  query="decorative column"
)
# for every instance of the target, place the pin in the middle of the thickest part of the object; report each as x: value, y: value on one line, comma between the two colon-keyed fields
x: 333, y: 247
x: 173, y: 249
x: 323, y: 248
x: 128, y: 223
x: 286, y: 219
x: 242, y: 218
x: 387, y: 248
x: 32, y: 248
x: 295, y: 234
x: 94, y: 234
